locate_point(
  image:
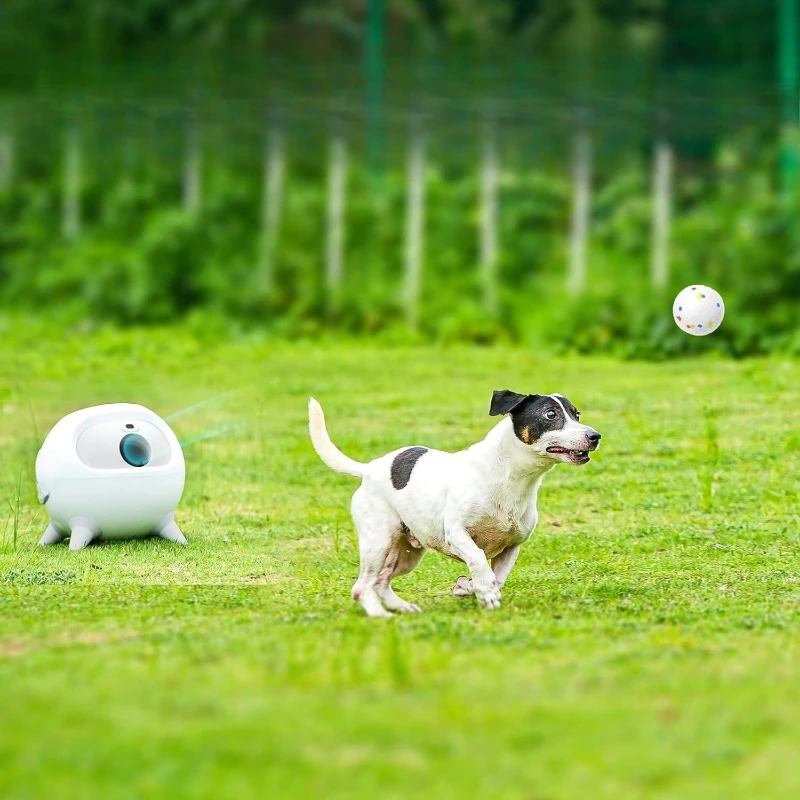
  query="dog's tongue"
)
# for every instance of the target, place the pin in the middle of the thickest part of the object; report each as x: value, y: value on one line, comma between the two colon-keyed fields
x: 557, y: 449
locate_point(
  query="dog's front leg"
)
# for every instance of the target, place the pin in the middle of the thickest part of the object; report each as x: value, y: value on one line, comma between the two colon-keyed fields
x: 484, y: 583
x: 502, y: 565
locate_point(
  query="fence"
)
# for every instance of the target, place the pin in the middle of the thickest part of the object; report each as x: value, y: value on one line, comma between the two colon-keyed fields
x: 557, y: 119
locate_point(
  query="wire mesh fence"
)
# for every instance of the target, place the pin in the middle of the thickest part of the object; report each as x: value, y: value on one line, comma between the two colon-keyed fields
x: 486, y: 123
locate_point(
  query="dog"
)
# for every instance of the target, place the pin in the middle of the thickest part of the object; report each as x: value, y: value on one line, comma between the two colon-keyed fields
x: 475, y: 505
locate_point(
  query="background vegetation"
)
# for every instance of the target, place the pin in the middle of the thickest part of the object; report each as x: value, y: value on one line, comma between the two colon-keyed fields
x: 134, y: 86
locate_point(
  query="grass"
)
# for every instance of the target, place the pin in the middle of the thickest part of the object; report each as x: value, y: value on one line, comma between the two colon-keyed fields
x: 647, y: 646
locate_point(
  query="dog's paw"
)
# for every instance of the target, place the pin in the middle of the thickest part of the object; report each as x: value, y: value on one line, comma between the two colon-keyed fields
x: 463, y: 587
x: 488, y: 595
x: 376, y: 613
x: 407, y: 608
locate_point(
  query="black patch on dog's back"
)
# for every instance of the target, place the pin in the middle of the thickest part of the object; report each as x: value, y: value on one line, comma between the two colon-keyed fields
x: 403, y: 464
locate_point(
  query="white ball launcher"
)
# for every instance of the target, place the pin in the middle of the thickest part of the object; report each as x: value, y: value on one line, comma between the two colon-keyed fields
x: 110, y: 472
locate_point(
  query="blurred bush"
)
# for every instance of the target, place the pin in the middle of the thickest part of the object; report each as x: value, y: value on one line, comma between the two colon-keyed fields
x: 141, y: 259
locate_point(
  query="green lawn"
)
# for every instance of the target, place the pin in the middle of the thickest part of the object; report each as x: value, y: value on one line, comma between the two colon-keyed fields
x: 647, y: 647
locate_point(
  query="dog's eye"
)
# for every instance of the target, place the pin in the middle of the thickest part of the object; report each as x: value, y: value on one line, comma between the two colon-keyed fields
x: 550, y: 413
x: 576, y: 413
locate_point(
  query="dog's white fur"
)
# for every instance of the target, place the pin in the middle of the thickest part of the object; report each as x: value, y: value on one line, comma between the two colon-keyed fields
x: 473, y: 505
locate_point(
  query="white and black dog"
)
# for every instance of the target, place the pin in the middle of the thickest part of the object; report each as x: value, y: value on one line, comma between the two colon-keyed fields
x: 474, y: 505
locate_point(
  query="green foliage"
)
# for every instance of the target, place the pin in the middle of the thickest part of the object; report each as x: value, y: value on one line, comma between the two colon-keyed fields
x: 104, y: 24
x: 142, y: 259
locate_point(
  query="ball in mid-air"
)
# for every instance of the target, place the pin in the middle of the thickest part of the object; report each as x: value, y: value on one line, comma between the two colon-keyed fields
x: 698, y: 310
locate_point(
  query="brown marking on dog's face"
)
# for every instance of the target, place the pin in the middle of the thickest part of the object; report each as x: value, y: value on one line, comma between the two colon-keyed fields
x: 535, y: 415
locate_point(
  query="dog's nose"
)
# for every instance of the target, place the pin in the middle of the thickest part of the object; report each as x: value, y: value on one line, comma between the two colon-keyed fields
x: 594, y: 436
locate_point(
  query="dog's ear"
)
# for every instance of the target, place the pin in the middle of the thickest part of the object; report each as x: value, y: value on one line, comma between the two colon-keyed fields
x: 504, y: 401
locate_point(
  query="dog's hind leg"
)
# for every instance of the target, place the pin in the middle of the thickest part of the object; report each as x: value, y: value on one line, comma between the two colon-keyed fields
x: 403, y: 557
x: 377, y: 525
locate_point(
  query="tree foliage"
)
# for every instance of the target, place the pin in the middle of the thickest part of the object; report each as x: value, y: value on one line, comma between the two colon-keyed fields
x: 679, y: 28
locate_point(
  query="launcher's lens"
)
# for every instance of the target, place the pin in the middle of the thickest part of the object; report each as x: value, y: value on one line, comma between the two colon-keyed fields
x: 135, y: 449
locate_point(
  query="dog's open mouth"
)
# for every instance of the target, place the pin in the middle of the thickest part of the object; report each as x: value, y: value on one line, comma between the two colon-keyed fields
x: 575, y: 456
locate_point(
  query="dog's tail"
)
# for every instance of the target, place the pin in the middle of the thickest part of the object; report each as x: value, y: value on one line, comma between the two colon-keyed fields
x: 325, y: 448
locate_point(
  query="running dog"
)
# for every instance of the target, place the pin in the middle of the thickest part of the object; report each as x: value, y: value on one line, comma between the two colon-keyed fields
x: 474, y: 505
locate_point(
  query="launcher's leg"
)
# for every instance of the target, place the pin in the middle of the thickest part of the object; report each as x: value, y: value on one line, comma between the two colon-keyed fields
x: 168, y: 529
x: 52, y: 536
x: 83, y: 531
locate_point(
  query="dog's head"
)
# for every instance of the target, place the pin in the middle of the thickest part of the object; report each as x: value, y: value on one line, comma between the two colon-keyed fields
x: 549, y: 424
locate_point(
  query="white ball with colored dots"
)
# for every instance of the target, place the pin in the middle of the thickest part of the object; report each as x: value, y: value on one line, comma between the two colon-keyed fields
x: 698, y: 310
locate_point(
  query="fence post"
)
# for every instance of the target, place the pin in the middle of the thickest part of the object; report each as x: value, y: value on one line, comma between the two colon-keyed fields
x: 788, y: 57
x: 374, y: 71
x: 71, y: 196
x: 415, y: 220
x: 581, y: 207
x: 334, y: 240
x: 193, y: 165
x: 130, y: 144
x: 6, y: 159
x: 662, y: 211
x: 272, y: 201
x: 488, y: 218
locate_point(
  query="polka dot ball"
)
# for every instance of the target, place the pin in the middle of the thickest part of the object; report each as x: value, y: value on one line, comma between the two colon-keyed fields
x: 698, y: 310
